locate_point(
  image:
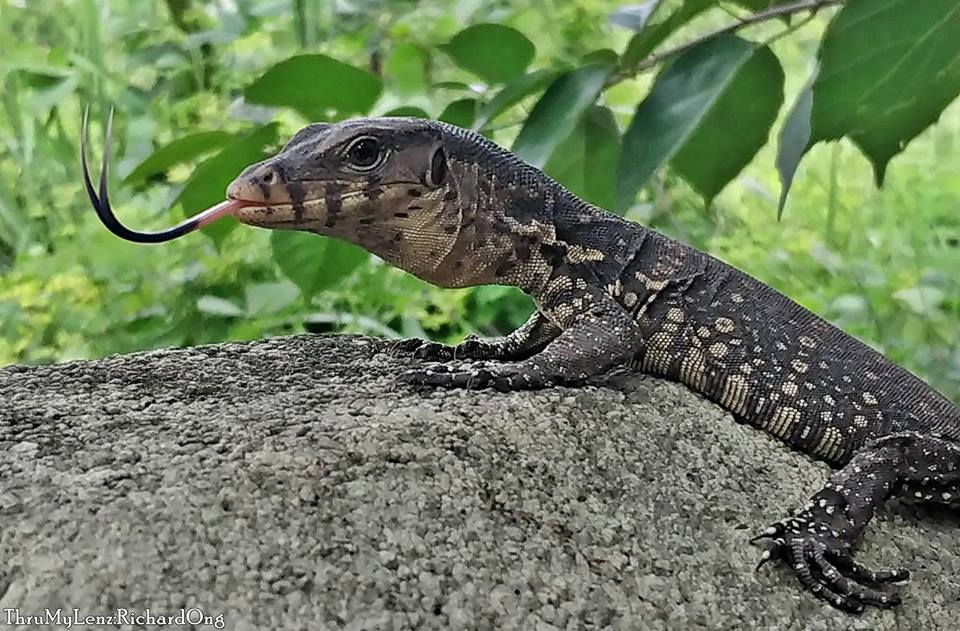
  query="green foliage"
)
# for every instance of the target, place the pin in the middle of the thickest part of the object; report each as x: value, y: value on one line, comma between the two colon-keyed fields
x: 661, y: 110
x: 312, y: 265
x: 709, y: 113
x: 494, y: 52
x: 314, y: 85
x: 210, y: 178
x: 556, y: 114
x: 881, y: 97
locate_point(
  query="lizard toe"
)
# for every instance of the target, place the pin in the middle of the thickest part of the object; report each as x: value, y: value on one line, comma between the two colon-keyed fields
x: 826, y: 572
x: 406, y: 347
x: 433, y: 351
x: 864, y: 574
x: 454, y: 374
x: 840, y: 582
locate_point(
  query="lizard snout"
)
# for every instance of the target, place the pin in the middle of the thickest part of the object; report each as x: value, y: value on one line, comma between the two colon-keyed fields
x: 260, y: 183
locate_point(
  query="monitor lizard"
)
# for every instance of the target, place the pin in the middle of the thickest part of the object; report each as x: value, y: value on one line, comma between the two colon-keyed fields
x: 456, y: 210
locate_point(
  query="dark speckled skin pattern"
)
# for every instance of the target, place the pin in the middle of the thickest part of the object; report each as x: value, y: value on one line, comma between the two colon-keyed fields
x: 453, y: 208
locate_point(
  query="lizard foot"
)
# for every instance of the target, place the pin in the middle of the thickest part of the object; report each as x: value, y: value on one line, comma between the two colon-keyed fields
x: 825, y: 566
x: 475, y: 375
x: 422, y: 349
x: 471, y: 347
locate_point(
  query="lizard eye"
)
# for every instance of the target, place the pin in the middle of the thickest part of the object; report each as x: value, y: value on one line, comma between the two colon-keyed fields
x: 364, y: 153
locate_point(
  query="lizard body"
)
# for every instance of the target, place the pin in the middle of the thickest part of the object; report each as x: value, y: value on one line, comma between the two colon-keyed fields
x: 455, y: 209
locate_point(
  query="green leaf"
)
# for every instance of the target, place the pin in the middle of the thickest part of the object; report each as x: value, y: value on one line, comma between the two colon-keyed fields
x: 314, y: 263
x: 408, y: 110
x: 922, y: 299
x: 757, y: 5
x: 665, y: 17
x: 405, y: 69
x: 212, y: 305
x: 888, y: 68
x: 494, y: 52
x: 181, y: 150
x: 268, y: 298
x: 794, y: 140
x: 53, y: 95
x: 317, y: 86
x: 585, y: 162
x: 460, y: 113
x: 709, y: 111
x: 634, y: 16
x: 511, y: 94
x: 557, y: 112
x: 734, y: 128
x: 208, y: 183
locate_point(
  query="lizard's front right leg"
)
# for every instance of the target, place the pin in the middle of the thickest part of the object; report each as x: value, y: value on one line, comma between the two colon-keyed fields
x: 532, y: 337
x: 597, y: 335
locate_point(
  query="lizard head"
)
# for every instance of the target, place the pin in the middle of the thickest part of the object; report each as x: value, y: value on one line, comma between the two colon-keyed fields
x: 435, y: 200
x: 383, y: 184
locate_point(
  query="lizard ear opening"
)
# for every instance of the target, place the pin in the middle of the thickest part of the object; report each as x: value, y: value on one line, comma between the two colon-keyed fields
x: 438, y: 168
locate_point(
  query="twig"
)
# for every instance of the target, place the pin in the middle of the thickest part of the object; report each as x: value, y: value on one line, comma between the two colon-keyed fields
x: 780, y: 10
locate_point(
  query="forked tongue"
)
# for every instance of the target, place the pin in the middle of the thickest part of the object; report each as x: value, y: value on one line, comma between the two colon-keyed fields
x: 101, y: 201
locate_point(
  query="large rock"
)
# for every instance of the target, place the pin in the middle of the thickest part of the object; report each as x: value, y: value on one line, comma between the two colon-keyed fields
x: 295, y: 484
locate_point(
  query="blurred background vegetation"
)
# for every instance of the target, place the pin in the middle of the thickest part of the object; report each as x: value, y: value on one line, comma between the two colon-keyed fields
x: 202, y: 88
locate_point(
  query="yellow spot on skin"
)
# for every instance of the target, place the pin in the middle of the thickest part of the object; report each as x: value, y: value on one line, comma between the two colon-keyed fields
x: 799, y: 366
x: 675, y: 315
x: 790, y: 388
x: 782, y: 421
x: 703, y: 332
x: 826, y: 416
x: 860, y: 420
x: 829, y: 400
x: 734, y: 396
x: 829, y: 444
x: 671, y: 327
x: 657, y: 357
x: 719, y: 349
x: 807, y: 341
x: 737, y: 298
x: 651, y: 284
x: 580, y: 254
x: 869, y: 399
x: 746, y: 369
x: 692, y: 369
x: 724, y: 325
x: 630, y: 299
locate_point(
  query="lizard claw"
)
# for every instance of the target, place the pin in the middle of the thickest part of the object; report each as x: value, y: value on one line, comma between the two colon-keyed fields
x: 824, y: 565
x: 475, y: 375
x: 472, y: 347
x: 406, y: 347
x: 423, y: 349
x: 769, y: 532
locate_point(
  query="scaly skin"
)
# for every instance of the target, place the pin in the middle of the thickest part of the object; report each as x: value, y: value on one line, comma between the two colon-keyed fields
x: 456, y: 210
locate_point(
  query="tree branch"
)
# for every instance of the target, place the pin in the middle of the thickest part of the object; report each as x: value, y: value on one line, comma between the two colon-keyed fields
x: 801, y: 6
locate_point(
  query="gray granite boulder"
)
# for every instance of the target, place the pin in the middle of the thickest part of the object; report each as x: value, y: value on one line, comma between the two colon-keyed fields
x: 294, y: 483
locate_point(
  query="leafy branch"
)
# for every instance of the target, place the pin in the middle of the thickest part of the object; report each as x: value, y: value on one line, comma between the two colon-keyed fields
x: 778, y: 11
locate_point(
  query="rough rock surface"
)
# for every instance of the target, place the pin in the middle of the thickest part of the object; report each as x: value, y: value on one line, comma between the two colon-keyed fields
x: 295, y: 484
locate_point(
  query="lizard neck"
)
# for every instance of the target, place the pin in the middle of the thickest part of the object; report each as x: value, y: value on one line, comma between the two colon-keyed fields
x: 506, y: 223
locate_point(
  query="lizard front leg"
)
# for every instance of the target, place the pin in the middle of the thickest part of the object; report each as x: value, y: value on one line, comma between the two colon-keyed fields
x: 817, y: 542
x: 597, y: 335
x: 525, y: 341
